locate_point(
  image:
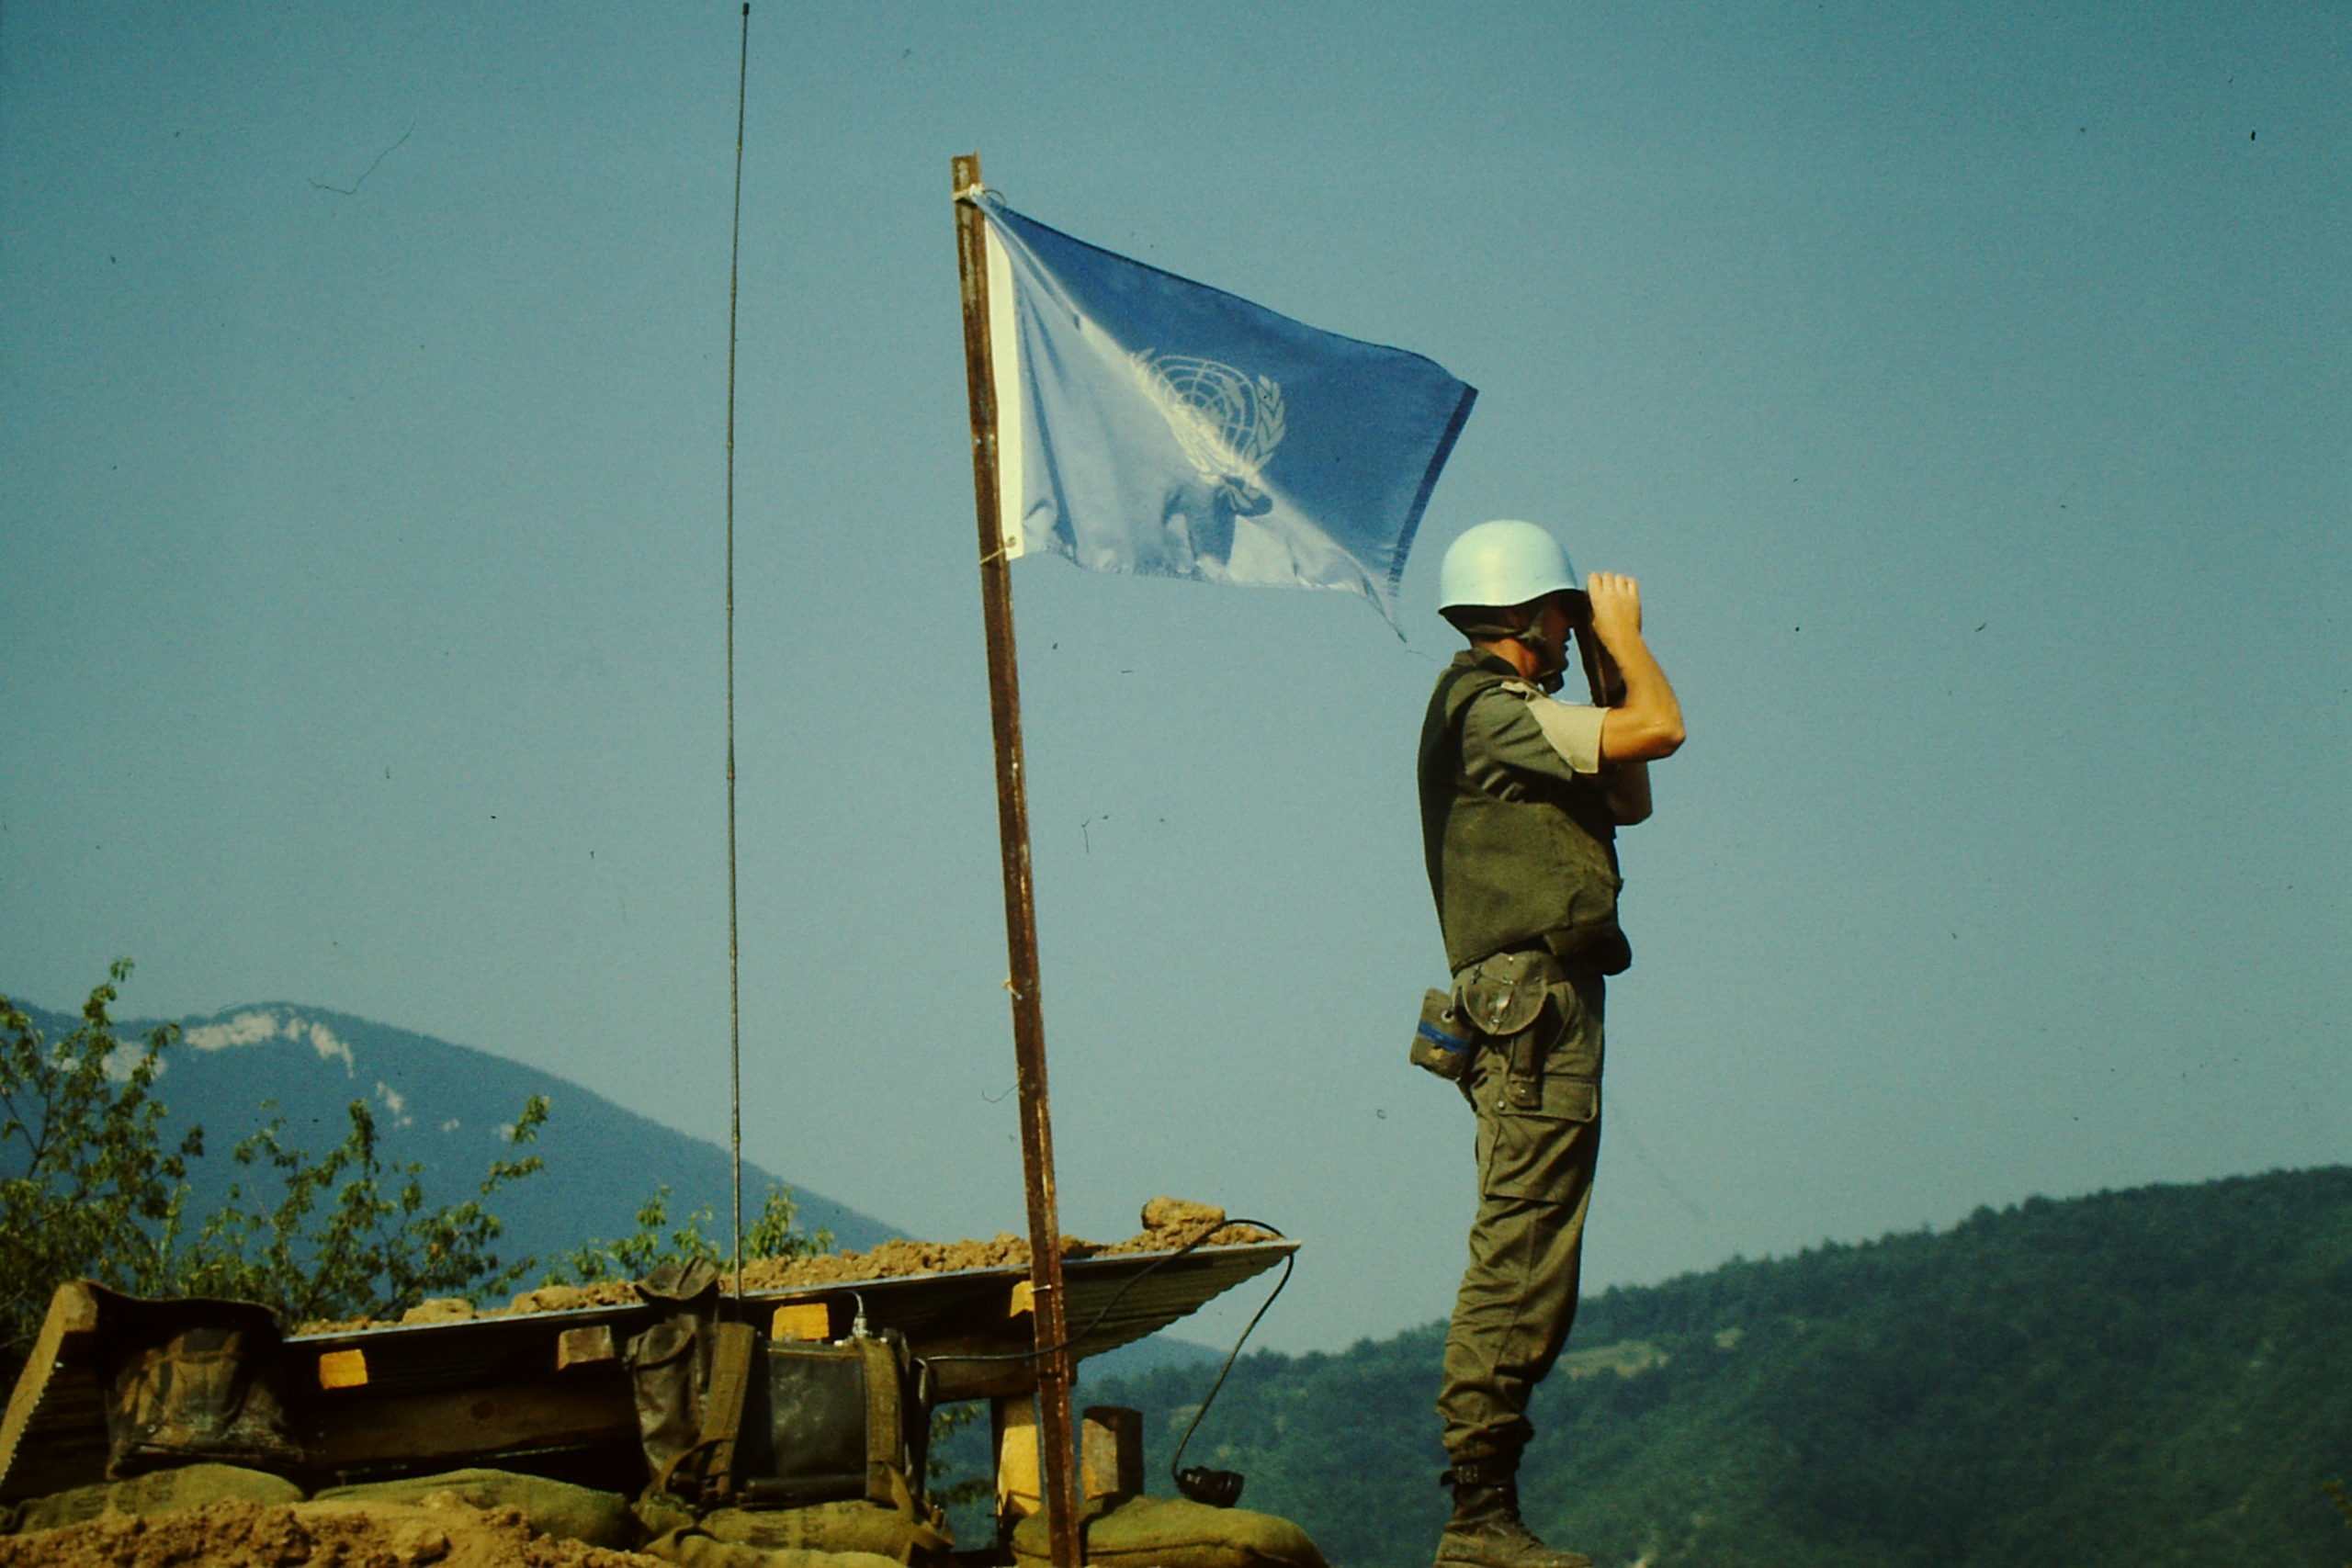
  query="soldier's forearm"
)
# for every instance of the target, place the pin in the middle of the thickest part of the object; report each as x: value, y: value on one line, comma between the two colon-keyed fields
x: 1647, y: 725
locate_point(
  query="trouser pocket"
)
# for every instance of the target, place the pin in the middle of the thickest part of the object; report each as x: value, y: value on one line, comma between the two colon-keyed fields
x: 1541, y: 1154
x: 1537, y: 1094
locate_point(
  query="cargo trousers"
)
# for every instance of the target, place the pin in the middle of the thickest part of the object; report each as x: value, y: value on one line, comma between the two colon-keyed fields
x: 1537, y: 1145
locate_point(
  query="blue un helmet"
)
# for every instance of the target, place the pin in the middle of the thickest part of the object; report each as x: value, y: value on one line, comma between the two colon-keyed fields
x: 1503, y: 563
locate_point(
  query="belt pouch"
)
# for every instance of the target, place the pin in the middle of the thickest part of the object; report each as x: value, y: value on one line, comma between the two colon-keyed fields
x: 1441, y: 1042
x: 1507, y: 998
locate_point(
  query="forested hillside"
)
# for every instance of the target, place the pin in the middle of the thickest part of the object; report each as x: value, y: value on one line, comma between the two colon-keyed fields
x: 2162, y: 1375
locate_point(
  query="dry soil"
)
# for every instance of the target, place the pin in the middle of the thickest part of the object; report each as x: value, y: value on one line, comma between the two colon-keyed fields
x: 441, y: 1531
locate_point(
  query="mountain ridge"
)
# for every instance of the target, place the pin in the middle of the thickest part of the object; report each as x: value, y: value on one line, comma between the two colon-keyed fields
x: 449, y: 1108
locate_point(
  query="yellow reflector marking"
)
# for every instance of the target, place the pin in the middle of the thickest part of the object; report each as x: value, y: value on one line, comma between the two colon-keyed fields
x: 802, y: 1320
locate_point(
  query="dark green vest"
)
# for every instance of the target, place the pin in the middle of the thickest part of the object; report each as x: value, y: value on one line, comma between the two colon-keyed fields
x: 1513, y: 873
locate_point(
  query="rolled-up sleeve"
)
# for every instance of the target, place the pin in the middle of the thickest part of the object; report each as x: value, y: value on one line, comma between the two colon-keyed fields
x: 1512, y: 735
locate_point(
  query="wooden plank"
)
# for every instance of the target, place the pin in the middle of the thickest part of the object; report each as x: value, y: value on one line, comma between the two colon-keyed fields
x: 53, y: 1403
x: 589, y: 1407
x: 583, y: 1346
x: 1020, y: 1488
x: 1110, y: 1447
x: 934, y: 1310
x: 938, y: 1308
x: 434, y: 1357
x: 65, y: 1443
x: 949, y: 1317
x: 1008, y: 1368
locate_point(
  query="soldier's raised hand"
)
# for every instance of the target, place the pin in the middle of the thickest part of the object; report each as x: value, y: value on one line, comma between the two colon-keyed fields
x: 1616, y: 605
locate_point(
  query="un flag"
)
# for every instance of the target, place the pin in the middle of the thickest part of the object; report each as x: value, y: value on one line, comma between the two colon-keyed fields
x: 1149, y: 424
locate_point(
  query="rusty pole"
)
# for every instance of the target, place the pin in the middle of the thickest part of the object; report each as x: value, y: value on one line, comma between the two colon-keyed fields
x: 1047, y: 1316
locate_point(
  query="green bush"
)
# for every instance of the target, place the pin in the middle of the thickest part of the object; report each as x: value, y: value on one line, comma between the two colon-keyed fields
x: 86, y: 1186
x: 772, y: 1234
x: 89, y: 1189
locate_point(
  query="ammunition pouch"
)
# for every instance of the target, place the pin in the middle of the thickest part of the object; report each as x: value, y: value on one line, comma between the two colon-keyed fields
x: 192, y: 1381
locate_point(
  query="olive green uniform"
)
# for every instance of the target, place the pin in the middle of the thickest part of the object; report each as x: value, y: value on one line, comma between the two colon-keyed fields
x: 1520, y: 839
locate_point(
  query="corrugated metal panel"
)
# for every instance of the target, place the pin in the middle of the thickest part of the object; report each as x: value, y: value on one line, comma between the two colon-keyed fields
x: 1160, y: 1298
x: 939, y: 1306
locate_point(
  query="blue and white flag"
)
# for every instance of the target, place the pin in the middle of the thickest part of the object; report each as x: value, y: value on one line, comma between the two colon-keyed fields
x: 1148, y: 424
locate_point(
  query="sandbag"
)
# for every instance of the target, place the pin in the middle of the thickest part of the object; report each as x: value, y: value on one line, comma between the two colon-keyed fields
x: 550, y: 1508
x: 1174, y: 1532
x: 690, y: 1547
x: 156, y: 1491
x: 854, y: 1525
x: 659, y: 1513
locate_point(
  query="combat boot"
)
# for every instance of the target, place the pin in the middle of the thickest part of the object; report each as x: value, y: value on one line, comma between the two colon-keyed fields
x: 1486, y: 1530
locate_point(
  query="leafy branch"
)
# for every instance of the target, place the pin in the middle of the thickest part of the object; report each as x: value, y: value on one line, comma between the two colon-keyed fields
x: 773, y: 1234
x: 352, y: 1237
x: 89, y: 1189
x: 86, y: 1184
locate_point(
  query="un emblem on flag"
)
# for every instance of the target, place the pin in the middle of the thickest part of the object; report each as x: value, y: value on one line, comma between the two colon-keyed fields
x: 1227, y: 423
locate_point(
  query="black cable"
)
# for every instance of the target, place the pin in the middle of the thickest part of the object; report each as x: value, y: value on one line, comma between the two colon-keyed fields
x: 1222, y: 1488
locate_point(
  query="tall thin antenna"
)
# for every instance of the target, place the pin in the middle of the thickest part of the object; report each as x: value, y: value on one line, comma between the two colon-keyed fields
x: 734, y: 952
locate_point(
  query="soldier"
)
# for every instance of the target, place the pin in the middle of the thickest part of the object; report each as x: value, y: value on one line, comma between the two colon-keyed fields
x: 1522, y: 797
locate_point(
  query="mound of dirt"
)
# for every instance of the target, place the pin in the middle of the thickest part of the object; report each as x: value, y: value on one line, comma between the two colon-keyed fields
x: 1168, y: 1223
x: 440, y: 1531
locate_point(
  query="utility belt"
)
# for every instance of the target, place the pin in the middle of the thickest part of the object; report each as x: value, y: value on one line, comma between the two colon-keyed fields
x: 1500, y: 1003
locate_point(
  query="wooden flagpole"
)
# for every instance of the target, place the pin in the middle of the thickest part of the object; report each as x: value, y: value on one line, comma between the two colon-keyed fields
x: 1047, y: 1313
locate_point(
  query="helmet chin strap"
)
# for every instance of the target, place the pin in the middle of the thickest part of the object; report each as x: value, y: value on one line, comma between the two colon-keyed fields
x: 1551, y: 664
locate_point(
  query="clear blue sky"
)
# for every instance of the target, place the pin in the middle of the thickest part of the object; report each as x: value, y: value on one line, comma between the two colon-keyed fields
x: 1967, y: 385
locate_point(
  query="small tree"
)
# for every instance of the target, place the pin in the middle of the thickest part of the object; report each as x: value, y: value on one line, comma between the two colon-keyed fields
x: 773, y: 1235
x: 89, y: 1189
x: 342, y: 1242
x: 86, y: 1185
